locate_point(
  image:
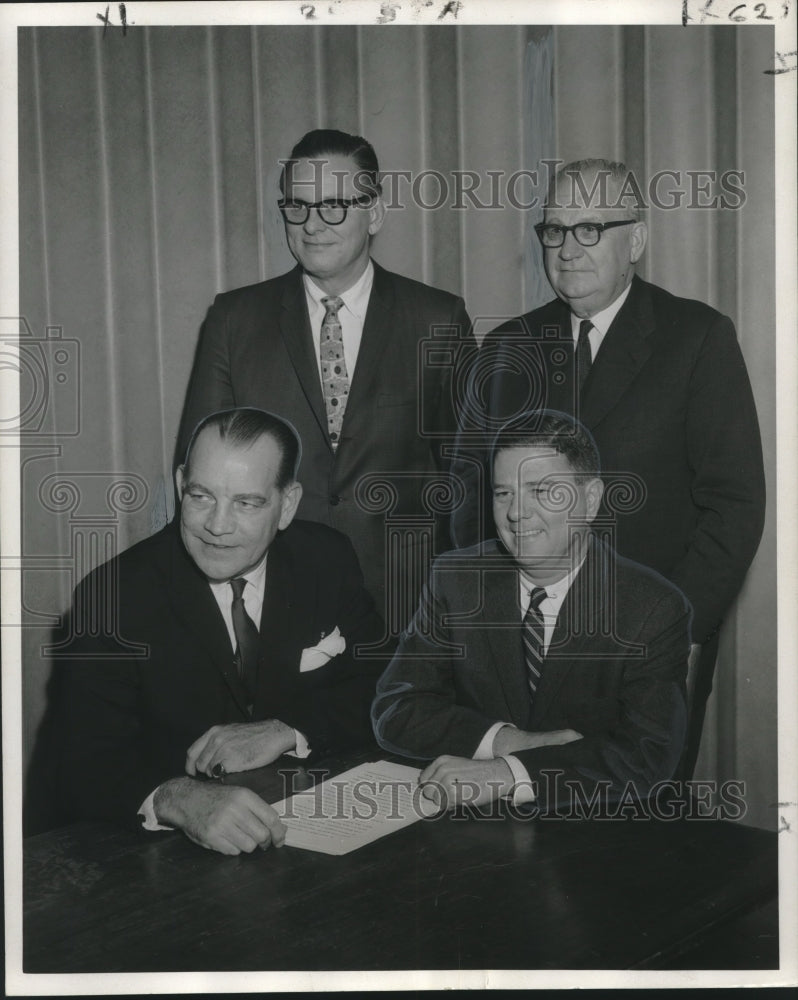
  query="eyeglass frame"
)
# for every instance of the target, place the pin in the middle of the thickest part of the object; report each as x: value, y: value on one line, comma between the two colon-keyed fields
x: 345, y: 203
x: 540, y: 227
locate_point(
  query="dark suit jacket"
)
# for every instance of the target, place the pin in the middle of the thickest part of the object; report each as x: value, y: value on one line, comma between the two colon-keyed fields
x: 126, y: 721
x: 614, y: 671
x: 256, y: 349
x: 668, y: 399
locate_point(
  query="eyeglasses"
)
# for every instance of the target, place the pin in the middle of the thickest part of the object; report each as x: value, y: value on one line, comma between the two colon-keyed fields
x: 587, y: 234
x: 332, y: 211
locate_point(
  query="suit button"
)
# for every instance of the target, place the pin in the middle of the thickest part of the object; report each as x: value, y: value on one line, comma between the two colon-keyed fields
x: 334, y: 500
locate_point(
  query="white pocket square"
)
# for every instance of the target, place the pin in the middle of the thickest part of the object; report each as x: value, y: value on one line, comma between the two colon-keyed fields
x: 328, y: 646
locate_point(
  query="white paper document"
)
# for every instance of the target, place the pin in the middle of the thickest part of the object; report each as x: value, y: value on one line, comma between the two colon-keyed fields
x: 354, y: 808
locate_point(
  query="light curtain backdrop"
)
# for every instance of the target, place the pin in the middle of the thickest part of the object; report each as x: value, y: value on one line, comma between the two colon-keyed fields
x: 148, y: 167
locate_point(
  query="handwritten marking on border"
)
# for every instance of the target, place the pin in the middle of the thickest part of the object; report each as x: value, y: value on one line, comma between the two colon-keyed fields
x: 453, y: 7
x: 734, y: 12
x: 788, y: 63
x: 108, y: 23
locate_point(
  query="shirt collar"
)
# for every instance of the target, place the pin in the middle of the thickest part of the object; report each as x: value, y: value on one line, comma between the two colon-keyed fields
x: 554, y: 591
x: 355, y: 298
x: 603, y: 320
x: 255, y: 578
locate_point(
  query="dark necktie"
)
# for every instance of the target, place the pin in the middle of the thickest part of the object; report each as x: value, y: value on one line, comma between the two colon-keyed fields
x: 247, y: 640
x: 334, y: 376
x: 583, y: 356
x: 532, y: 636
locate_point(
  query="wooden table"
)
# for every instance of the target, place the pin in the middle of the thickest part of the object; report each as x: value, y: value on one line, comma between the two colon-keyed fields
x: 449, y: 893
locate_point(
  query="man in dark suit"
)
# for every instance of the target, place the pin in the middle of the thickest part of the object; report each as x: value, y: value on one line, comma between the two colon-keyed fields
x: 335, y: 345
x: 540, y: 664
x: 661, y: 384
x: 205, y: 691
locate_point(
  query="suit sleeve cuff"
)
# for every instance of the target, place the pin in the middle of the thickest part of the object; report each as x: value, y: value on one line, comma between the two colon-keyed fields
x: 522, y: 792
x: 485, y: 749
x: 147, y: 813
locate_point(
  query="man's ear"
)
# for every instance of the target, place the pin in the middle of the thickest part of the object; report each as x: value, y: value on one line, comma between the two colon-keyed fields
x: 639, y: 239
x: 594, y: 491
x: 376, y: 216
x: 292, y: 494
x: 180, y: 479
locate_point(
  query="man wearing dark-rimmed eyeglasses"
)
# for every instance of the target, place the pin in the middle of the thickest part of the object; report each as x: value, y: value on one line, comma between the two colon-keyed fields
x: 661, y: 384
x: 334, y: 347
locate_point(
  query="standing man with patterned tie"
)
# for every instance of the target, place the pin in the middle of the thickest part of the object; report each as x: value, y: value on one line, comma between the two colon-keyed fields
x: 334, y: 346
x: 540, y: 651
x: 234, y: 640
x: 661, y: 384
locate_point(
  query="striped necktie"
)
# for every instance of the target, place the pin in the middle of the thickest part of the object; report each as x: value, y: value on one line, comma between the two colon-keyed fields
x: 334, y: 376
x: 532, y: 636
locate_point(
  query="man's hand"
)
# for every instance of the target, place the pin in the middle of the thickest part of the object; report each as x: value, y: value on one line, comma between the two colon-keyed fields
x: 239, y: 746
x: 223, y: 818
x: 507, y: 740
x: 452, y: 781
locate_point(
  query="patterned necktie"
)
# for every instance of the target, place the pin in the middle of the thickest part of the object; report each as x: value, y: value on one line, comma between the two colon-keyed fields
x: 334, y: 376
x: 532, y: 637
x: 247, y: 640
x: 583, y: 355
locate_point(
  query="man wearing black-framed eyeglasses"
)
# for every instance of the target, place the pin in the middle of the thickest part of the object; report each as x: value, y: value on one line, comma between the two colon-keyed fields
x: 332, y: 211
x: 334, y: 347
x: 586, y: 234
x: 660, y: 382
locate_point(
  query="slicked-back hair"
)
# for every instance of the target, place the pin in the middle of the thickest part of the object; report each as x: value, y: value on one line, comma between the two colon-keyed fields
x: 550, y: 429
x: 613, y: 170
x: 243, y: 426
x: 325, y: 142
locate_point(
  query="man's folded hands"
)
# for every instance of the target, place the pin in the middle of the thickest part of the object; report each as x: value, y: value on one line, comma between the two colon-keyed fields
x: 454, y: 781
x: 239, y: 746
x: 450, y: 782
x: 223, y: 818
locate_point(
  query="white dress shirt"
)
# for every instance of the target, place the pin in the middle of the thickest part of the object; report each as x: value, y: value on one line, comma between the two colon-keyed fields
x: 601, y: 323
x: 549, y: 608
x: 351, y: 315
x: 252, y: 595
x: 253, y: 603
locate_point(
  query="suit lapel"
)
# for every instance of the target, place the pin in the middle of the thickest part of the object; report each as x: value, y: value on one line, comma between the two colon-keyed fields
x: 296, y: 333
x: 288, y: 594
x: 501, y: 619
x: 535, y: 369
x: 557, y: 342
x: 378, y: 333
x: 195, y: 606
x: 574, y: 631
x: 626, y: 348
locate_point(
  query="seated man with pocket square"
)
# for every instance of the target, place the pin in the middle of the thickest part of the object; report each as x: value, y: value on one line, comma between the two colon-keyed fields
x: 206, y: 691
x: 541, y: 664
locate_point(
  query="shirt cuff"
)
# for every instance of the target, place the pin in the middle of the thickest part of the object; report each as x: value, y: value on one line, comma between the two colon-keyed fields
x: 522, y: 792
x: 485, y: 749
x: 302, y: 748
x: 147, y: 813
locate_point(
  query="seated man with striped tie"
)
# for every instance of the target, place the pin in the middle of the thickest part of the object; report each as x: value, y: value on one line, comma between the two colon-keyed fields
x: 230, y: 638
x: 541, y: 664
